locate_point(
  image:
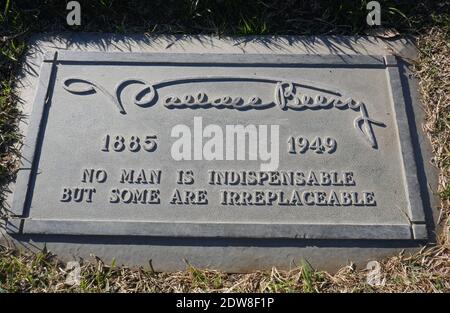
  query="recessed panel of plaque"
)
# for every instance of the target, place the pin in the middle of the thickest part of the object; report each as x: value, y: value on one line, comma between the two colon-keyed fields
x: 212, y: 145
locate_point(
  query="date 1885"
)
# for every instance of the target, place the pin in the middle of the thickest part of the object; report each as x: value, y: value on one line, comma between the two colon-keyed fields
x: 119, y: 143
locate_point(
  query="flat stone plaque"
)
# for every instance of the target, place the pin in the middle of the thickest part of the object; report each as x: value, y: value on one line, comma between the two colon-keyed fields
x: 219, y: 145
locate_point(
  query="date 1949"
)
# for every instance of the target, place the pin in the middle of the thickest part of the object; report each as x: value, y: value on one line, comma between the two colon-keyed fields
x: 119, y: 143
x: 301, y: 144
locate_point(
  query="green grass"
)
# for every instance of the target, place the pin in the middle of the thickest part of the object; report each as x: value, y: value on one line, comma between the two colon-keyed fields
x: 233, y: 17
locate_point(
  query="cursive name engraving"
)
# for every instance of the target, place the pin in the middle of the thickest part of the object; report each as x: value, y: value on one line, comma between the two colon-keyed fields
x: 286, y: 97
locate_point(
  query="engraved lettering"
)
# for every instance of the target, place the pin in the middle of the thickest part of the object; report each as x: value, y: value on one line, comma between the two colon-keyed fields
x: 296, y: 198
x: 369, y: 198
x: 285, y: 96
x: 187, y: 197
x: 185, y: 177
x: 91, y: 175
x: 77, y: 194
x: 134, y: 195
x: 133, y: 143
x: 140, y: 176
x: 301, y: 144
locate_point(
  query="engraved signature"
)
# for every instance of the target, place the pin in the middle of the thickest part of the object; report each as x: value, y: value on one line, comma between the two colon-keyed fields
x: 286, y: 96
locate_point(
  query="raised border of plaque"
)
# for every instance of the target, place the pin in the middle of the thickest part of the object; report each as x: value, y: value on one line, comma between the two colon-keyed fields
x: 21, y: 206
